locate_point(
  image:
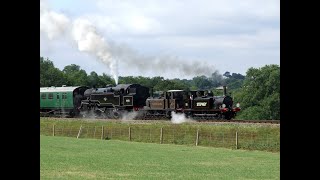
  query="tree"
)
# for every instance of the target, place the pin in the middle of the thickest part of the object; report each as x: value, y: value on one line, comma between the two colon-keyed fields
x: 106, y: 79
x: 75, y: 75
x: 260, y: 95
x: 94, y: 80
x: 50, y: 75
x: 201, y: 82
x: 227, y: 74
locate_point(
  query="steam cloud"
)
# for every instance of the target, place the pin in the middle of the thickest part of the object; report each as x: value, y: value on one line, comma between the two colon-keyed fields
x: 179, y: 118
x: 55, y: 24
x: 129, y: 115
x: 88, y: 40
x: 159, y: 64
x: 52, y: 23
x: 84, y: 33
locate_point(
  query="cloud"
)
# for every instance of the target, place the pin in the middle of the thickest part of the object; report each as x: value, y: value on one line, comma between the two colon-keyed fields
x: 261, y: 38
x: 52, y: 23
x: 226, y: 34
x: 133, y: 25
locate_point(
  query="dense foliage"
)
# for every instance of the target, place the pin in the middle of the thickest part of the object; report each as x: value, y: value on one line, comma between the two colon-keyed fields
x: 258, y: 92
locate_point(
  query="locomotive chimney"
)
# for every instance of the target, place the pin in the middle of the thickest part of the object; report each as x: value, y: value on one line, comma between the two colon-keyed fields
x: 224, y: 90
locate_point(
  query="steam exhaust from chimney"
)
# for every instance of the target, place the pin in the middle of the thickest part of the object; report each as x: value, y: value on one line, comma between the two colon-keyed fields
x: 88, y: 40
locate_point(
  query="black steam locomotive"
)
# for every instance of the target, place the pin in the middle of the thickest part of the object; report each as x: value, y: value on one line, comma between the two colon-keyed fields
x: 113, y: 102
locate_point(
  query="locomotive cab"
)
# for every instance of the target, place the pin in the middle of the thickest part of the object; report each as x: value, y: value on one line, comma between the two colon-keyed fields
x: 177, y: 99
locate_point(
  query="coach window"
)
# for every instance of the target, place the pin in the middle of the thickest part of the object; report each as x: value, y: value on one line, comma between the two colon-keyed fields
x: 64, y: 96
x: 50, y: 96
x: 43, y: 96
x: 58, y: 96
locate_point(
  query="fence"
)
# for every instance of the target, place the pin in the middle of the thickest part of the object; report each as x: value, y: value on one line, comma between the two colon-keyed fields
x: 170, y: 135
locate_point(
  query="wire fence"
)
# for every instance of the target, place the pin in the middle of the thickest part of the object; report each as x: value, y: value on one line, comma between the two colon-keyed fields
x: 170, y: 135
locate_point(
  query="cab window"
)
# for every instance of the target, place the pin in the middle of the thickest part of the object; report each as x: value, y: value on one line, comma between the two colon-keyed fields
x: 43, y: 96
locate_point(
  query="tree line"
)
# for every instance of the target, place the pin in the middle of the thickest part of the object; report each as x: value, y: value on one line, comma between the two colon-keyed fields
x: 258, y: 91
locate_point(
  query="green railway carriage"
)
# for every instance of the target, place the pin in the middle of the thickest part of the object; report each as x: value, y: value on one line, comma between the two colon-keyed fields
x: 61, y: 100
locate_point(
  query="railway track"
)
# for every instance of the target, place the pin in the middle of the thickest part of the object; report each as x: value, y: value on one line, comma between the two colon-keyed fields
x: 244, y: 121
x: 161, y: 120
x: 207, y: 121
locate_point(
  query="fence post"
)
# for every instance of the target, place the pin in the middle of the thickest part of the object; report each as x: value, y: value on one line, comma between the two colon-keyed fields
x: 223, y: 138
x: 150, y: 134
x: 236, y: 139
x: 53, y: 131
x: 197, y: 138
x: 173, y: 135
x: 129, y: 133
x: 161, y: 136
x: 79, y: 131
x: 69, y: 134
x: 102, y: 132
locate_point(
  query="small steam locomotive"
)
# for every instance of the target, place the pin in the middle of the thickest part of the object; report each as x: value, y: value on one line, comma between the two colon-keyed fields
x: 199, y: 104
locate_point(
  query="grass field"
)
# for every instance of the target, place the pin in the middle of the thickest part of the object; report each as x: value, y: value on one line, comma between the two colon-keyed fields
x: 71, y: 158
x: 250, y: 136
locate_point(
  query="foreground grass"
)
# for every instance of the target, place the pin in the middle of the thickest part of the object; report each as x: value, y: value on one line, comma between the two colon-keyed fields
x: 71, y: 158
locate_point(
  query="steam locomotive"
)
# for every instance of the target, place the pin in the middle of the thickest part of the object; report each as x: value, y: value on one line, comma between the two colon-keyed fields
x: 114, y: 102
x: 111, y: 102
x: 199, y: 104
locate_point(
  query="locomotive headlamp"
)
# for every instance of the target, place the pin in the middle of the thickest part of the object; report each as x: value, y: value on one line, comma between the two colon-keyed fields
x: 238, y: 104
x: 223, y: 105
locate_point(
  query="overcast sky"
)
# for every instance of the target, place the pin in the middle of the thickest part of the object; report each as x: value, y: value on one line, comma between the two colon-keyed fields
x: 225, y: 35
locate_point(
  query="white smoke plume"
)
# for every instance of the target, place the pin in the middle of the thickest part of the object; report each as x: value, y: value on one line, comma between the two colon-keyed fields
x: 52, y: 23
x: 84, y: 33
x: 55, y: 24
x: 179, y: 118
x: 88, y: 40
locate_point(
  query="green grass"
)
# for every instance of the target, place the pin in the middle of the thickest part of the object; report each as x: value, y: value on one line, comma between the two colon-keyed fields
x: 250, y: 136
x: 71, y: 158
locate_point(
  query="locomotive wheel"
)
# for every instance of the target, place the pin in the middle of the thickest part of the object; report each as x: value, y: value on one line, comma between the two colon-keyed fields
x: 168, y: 114
x: 228, y: 116
x: 71, y: 114
x: 116, y: 115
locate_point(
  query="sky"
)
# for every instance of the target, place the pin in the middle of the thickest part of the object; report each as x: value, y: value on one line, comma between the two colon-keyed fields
x: 168, y: 38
